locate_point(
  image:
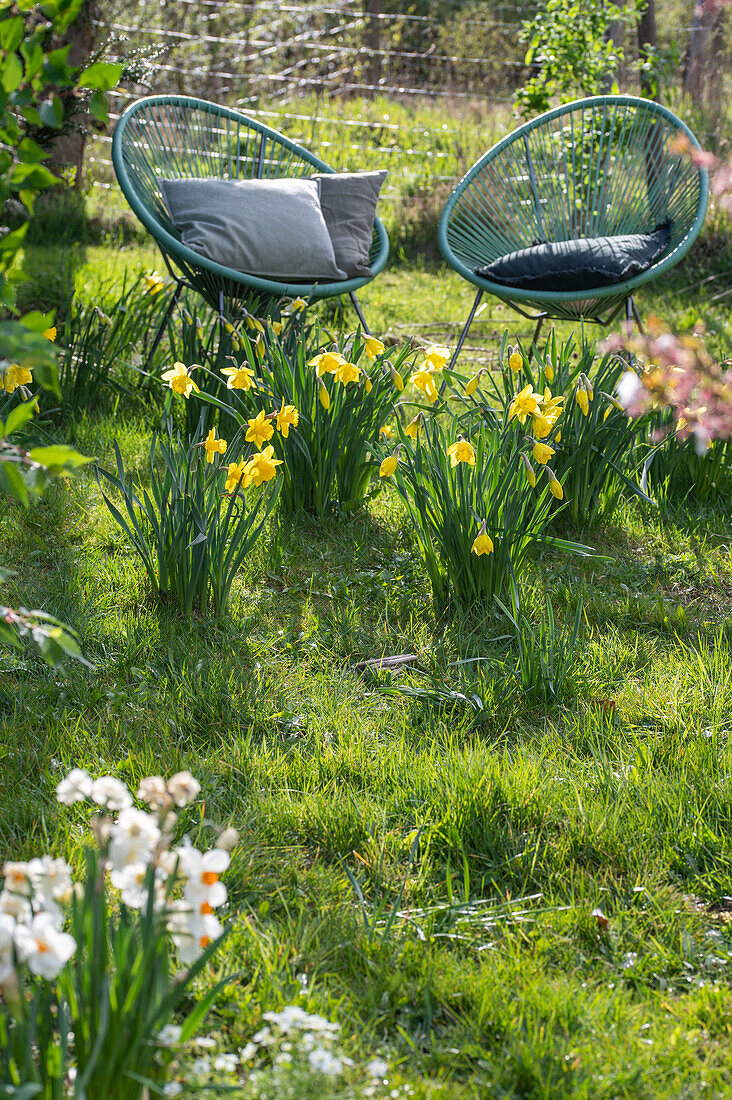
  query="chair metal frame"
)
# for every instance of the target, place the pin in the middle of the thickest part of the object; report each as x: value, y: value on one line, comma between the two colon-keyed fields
x: 171, y: 136
x: 601, y: 166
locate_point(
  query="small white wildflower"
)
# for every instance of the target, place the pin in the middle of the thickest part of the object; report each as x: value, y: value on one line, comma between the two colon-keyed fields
x: 201, y: 1067
x: 247, y: 1052
x: 225, y: 1063
x: 377, y: 1067
x: 263, y: 1037
x: 283, y: 1059
x: 173, y: 1088
x: 168, y: 1035
x: 205, y: 1042
x: 76, y: 787
x: 322, y: 1061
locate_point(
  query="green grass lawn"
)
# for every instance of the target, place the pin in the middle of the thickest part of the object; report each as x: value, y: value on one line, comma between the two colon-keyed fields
x: 494, y: 979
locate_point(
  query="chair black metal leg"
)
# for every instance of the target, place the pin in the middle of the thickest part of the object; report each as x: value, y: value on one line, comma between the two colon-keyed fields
x: 637, y: 316
x: 629, y: 318
x: 359, y: 311
x: 163, y: 323
x: 463, y: 334
x: 222, y: 319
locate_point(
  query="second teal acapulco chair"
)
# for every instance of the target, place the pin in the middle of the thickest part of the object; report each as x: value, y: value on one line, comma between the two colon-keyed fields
x: 601, y: 167
x: 172, y: 137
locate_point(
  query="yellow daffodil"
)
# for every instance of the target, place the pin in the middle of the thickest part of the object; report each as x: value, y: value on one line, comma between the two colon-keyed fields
x: 276, y: 327
x: 386, y: 431
x: 367, y: 383
x: 16, y: 376
x: 396, y: 379
x: 388, y: 466
x: 50, y: 333
x: 263, y: 467
x: 180, y: 380
x: 238, y: 378
x: 288, y: 417
x: 529, y: 470
x: 558, y: 437
x: 414, y: 427
x: 323, y: 395
x: 525, y: 403
x: 554, y: 485
x: 237, y: 472
x: 328, y: 362
x: 541, y: 427
x: 549, y: 371
x: 472, y: 385
x: 435, y: 357
x: 298, y: 305
x: 213, y: 446
x: 462, y: 451
x: 583, y: 400
x: 424, y: 381
x: 482, y: 543
x: 373, y: 347
x: 154, y: 283
x: 347, y: 372
x: 259, y: 431
x: 516, y: 360
x: 542, y: 453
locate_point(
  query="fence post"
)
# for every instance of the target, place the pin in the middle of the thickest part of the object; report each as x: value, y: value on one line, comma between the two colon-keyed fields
x: 372, y: 40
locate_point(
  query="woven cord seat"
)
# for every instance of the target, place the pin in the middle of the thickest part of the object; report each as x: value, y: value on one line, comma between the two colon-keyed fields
x: 601, y: 167
x: 174, y: 137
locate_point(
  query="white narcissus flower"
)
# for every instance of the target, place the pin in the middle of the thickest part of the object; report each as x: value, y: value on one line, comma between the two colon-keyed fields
x: 43, y: 946
x: 17, y: 877
x: 7, y: 940
x: 199, y: 932
x: 133, y: 838
x: 131, y: 881
x: 153, y: 791
x: 201, y: 869
x: 51, y: 878
x: 76, y: 787
x: 183, y: 788
x: 15, y: 906
x: 110, y: 792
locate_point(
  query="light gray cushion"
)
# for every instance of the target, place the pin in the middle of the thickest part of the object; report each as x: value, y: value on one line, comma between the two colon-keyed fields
x: 348, y: 201
x: 272, y: 228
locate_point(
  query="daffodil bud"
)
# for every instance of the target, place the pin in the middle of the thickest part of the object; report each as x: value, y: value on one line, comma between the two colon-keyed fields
x: 482, y: 543
x: 549, y: 371
x: 530, y: 475
x: 554, y: 485
x: 323, y: 394
x: 515, y: 359
x: 396, y: 378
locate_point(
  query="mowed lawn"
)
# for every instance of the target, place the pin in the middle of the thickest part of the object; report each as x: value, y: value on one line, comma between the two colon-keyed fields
x: 544, y: 892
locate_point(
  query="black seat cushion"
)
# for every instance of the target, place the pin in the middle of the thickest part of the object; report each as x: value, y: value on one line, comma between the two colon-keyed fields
x: 582, y: 264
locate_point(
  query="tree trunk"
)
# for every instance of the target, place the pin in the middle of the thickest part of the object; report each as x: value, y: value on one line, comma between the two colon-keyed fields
x: 696, y: 55
x: 615, y: 34
x: 647, y: 41
x: 67, y: 150
x: 372, y: 40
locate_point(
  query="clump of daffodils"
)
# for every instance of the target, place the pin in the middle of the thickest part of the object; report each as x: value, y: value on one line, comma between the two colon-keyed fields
x: 435, y: 356
x: 138, y: 858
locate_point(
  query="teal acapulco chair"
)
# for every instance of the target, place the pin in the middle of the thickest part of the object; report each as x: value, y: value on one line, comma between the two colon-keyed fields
x: 602, y: 167
x: 172, y: 137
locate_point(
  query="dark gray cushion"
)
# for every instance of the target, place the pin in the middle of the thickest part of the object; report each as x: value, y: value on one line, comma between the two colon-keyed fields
x: 272, y: 228
x: 348, y: 201
x: 583, y: 264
